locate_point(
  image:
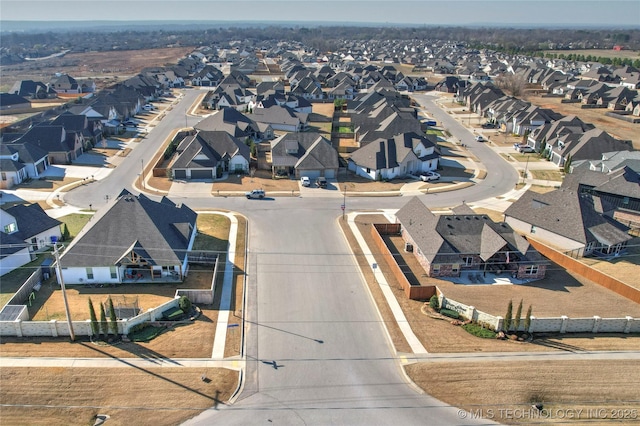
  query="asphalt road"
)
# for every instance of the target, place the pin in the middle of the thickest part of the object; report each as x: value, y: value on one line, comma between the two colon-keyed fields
x: 316, y: 350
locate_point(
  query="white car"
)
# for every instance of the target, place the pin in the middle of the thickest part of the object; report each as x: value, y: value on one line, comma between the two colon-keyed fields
x: 427, y: 176
x: 148, y: 107
x: 305, y: 181
x: 479, y: 138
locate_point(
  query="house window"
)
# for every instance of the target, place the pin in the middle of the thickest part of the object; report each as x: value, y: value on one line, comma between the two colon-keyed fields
x: 368, y: 170
x: 4, y: 176
x: 114, y: 272
x: 9, y: 228
x: 89, y: 273
x: 455, y: 268
x: 435, y: 269
x: 533, y: 229
x: 625, y: 200
x: 531, y: 270
x: 468, y: 261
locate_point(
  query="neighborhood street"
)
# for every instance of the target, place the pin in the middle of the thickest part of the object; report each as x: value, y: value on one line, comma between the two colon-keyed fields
x: 316, y: 350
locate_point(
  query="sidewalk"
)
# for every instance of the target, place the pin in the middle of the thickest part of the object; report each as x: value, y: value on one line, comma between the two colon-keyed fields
x: 401, y: 320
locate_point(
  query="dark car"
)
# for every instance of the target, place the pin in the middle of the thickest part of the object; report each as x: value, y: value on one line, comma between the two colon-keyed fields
x: 488, y: 125
x: 321, y: 182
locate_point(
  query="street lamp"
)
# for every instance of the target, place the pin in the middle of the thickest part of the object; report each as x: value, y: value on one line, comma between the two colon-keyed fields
x: 344, y: 201
x: 526, y: 166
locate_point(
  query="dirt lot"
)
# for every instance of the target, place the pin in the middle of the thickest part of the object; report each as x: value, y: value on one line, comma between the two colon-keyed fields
x: 59, y: 396
x: 105, y: 68
x: 497, y: 389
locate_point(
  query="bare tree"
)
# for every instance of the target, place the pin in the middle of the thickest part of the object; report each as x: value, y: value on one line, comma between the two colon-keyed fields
x: 512, y: 84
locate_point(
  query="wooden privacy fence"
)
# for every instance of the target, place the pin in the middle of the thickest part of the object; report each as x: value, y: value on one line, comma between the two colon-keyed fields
x: 414, y: 292
x: 586, y: 271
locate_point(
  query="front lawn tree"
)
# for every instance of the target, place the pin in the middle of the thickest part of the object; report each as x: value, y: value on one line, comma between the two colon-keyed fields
x: 508, y: 316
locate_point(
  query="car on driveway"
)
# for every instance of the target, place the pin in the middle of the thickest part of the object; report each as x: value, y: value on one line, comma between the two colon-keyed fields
x: 524, y: 149
x: 305, y: 181
x: 427, y: 176
x: 479, y: 138
x: 488, y: 126
x: 130, y: 123
x: 255, y: 193
x: 321, y: 182
x: 148, y: 107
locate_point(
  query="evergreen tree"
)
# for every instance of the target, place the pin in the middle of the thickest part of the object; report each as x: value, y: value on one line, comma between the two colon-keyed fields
x: 508, y: 316
x: 95, y: 328
x: 66, y: 235
x: 516, y: 320
x: 104, y: 327
x: 113, y: 321
x: 527, y: 320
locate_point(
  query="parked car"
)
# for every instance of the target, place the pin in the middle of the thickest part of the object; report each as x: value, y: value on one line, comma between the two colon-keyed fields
x: 321, y: 182
x: 305, y: 181
x: 524, y: 149
x: 489, y: 126
x: 148, y: 107
x: 479, y: 138
x: 427, y: 176
x: 516, y: 146
x: 255, y: 193
x: 429, y: 122
x: 130, y: 123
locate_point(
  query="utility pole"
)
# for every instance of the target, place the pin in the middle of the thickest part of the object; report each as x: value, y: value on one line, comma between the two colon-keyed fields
x: 344, y: 201
x: 72, y: 334
x: 526, y: 166
x: 142, y: 172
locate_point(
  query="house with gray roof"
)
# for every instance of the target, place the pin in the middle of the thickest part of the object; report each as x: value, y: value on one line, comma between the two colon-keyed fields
x: 569, y: 219
x: 446, y: 245
x: 134, y: 239
x: 209, y: 154
x: 33, y: 90
x: 404, y: 154
x: 31, y: 224
x: 14, y: 253
x: 281, y: 118
x: 304, y: 154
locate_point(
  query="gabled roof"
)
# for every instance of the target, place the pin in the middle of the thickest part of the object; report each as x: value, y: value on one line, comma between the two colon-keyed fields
x: 447, y: 238
x: 151, y: 227
x: 304, y: 151
x: 31, y: 220
x: 566, y: 213
x: 212, y: 145
x: 389, y: 153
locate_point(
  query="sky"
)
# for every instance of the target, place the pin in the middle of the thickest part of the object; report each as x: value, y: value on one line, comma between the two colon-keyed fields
x: 602, y: 13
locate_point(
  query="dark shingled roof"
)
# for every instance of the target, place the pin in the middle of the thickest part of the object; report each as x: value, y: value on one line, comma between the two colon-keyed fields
x: 446, y: 238
x: 157, y: 231
x: 567, y: 213
x: 31, y: 220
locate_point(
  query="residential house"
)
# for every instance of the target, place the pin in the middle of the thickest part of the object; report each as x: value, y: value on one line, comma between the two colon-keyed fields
x: 60, y: 146
x: 64, y: 83
x: 209, y: 154
x: 404, y: 154
x: 236, y: 124
x: 90, y: 130
x: 568, y: 219
x: 31, y: 224
x: 281, y: 118
x: 134, y: 239
x: 14, y: 253
x: 304, y: 154
x: 34, y: 159
x: 583, y: 146
x: 446, y: 245
x: 32, y: 90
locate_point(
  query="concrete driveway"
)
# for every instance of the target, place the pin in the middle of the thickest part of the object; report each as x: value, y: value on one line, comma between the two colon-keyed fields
x: 181, y: 188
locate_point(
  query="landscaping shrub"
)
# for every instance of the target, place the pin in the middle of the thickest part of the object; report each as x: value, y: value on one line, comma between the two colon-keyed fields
x: 478, y: 331
x: 450, y: 313
x: 434, y: 303
x: 185, y: 304
x: 146, y: 333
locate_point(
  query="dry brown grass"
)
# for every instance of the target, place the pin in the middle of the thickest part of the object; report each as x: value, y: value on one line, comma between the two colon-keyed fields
x: 47, y: 183
x: 504, y: 385
x: 63, y: 396
x: 624, y: 268
x: 325, y: 109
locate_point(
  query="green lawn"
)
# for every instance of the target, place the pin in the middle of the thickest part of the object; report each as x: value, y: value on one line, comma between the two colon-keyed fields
x: 75, y: 222
x: 344, y: 129
x: 436, y: 132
